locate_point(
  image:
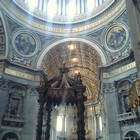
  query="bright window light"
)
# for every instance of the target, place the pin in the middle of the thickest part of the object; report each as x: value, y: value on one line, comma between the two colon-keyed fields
x: 65, y: 123
x: 71, y: 8
x: 32, y: 3
x: 100, y: 123
x: 59, y: 123
x: 90, y: 4
x: 52, y: 7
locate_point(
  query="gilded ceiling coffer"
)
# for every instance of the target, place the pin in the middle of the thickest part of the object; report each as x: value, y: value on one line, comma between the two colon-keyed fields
x: 61, y: 89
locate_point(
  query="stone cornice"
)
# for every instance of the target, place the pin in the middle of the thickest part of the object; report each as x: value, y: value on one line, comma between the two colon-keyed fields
x: 12, y: 70
x: 118, y: 67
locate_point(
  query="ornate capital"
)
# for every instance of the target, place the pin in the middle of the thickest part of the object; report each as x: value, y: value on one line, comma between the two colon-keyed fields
x: 3, y: 84
x: 137, y: 4
x: 109, y: 87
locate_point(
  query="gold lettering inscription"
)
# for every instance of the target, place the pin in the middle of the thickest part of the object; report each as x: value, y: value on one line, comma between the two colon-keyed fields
x: 22, y: 75
x: 119, y: 70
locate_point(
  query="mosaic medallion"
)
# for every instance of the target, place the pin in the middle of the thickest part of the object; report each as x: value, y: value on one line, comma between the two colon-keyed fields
x: 25, y: 44
x: 116, y: 37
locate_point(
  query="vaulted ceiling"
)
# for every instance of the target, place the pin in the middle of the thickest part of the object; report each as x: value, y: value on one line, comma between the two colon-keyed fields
x: 79, y: 57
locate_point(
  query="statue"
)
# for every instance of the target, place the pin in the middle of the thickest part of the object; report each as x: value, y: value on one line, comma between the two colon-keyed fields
x: 138, y: 87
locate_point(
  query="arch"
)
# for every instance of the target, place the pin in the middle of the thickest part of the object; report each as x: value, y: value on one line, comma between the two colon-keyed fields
x: 131, y: 133
x: 13, y: 133
x: 95, y: 45
x: 124, y: 81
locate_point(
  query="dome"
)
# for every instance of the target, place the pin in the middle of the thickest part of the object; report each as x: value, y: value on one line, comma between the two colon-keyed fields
x: 65, y: 11
x: 67, y: 17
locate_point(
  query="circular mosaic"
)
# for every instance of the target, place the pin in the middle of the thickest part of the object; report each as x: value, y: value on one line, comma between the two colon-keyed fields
x: 25, y: 44
x: 116, y: 37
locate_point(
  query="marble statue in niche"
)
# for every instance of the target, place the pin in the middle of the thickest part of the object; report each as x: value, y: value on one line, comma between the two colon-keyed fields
x: 123, y: 89
x: 25, y: 44
x: 14, y: 108
x: 127, y: 104
x: 116, y: 38
x: 16, y: 100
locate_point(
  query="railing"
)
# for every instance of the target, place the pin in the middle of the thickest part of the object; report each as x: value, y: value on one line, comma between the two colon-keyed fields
x: 126, y: 116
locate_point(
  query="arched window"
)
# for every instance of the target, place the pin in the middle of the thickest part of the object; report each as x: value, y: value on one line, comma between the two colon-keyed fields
x: 10, y: 136
x: 132, y: 135
x: 59, y: 123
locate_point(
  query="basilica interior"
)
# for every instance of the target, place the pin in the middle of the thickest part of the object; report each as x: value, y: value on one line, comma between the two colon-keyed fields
x: 69, y: 70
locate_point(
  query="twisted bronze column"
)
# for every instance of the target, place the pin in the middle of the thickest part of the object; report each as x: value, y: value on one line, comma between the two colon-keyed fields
x: 80, y: 115
x: 40, y: 116
x: 48, y: 125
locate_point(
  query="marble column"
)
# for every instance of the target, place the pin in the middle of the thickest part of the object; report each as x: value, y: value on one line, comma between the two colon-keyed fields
x: 112, y: 127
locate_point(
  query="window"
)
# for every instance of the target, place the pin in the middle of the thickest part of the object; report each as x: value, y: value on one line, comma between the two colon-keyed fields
x: 100, y: 123
x: 52, y: 7
x: 71, y: 8
x: 59, y: 123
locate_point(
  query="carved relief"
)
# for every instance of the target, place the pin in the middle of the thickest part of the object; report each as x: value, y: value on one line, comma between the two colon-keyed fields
x: 32, y: 91
x: 21, y: 60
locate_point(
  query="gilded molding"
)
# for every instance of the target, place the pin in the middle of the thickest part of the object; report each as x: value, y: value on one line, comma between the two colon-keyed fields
x: 22, y: 74
x: 119, y: 70
x: 57, y: 29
